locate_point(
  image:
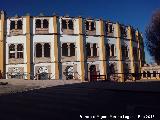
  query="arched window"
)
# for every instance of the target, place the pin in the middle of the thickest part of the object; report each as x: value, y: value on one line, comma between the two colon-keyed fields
x: 87, y: 25
x: 19, y: 51
x: 88, y: 49
x: 19, y: 24
x: 72, y: 49
x: 110, y: 28
x: 107, y: 50
x: 64, y: 24
x: 106, y: 27
x: 12, y: 25
x: 38, y: 50
x: 94, y: 49
x: 12, y: 51
x: 124, y: 51
x: 123, y: 31
x: 38, y: 23
x: 45, y: 23
x: 112, y: 49
x: 70, y: 24
x: 64, y: 49
x: 46, y: 50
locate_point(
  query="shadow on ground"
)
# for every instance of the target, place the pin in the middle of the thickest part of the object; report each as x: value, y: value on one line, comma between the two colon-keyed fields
x: 68, y: 102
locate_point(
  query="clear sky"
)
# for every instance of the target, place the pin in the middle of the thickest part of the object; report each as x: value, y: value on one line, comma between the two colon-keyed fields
x: 136, y: 13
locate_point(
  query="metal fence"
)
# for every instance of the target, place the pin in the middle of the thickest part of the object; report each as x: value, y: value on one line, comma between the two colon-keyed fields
x: 116, y: 76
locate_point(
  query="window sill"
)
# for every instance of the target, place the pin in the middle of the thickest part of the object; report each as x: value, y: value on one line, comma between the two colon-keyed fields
x: 15, y: 58
x: 92, y: 56
x: 112, y: 56
x: 125, y: 58
x: 66, y: 29
x: 42, y: 57
x: 42, y: 31
x: 16, y: 32
x: 68, y: 56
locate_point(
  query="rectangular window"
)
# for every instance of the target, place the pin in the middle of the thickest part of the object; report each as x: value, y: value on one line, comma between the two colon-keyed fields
x: 112, y: 49
x: 12, y: 25
x: 72, y: 49
x: 123, y: 51
x: 11, y: 55
x: 19, y: 54
x: 64, y: 24
x: 94, y: 49
x: 19, y: 24
x: 87, y: 25
x: 92, y: 26
x: 107, y: 50
x: 64, y: 49
x: 109, y: 28
x: 88, y: 49
x: 70, y: 24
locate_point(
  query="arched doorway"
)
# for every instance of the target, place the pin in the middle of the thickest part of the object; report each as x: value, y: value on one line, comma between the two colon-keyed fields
x: 43, y: 73
x: 93, y: 72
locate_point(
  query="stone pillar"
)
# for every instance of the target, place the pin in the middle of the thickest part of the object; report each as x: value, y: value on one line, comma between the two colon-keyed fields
x: 81, y: 50
x: 56, y: 51
x: 140, y: 50
x: 131, y: 50
x: 2, y: 44
x: 102, y: 50
x: 119, y: 50
x: 28, y: 46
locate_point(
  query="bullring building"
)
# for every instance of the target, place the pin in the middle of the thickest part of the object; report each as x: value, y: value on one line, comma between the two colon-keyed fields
x: 64, y: 47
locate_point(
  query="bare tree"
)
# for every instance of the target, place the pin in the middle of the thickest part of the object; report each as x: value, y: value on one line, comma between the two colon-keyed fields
x: 153, y: 36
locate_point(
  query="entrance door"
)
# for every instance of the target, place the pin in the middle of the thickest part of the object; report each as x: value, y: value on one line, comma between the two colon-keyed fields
x: 93, y: 73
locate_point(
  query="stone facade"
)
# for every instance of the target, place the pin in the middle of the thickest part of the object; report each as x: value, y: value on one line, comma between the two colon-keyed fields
x: 66, y: 47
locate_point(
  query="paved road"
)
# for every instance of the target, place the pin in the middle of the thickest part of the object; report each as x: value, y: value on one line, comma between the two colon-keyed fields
x: 68, y: 102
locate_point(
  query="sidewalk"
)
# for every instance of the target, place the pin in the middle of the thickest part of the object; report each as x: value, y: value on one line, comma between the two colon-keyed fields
x: 25, y: 85
x: 138, y: 86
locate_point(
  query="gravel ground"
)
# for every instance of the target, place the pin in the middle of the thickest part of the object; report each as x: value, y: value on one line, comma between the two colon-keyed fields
x: 14, y: 86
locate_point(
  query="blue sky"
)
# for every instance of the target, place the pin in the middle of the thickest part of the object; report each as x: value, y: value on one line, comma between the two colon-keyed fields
x: 136, y: 13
